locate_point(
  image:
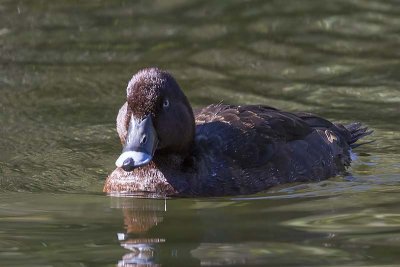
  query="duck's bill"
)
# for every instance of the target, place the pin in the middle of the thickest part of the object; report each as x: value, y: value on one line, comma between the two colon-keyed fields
x: 137, y: 159
x: 141, y: 143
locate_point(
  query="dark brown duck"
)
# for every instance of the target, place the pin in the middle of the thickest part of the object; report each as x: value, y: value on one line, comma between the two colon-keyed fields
x: 220, y: 149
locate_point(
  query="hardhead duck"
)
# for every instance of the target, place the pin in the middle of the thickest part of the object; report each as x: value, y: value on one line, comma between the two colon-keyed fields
x: 169, y: 150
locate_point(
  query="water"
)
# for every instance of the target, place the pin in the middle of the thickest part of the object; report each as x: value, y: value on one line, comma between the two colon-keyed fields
x: 64, y: 67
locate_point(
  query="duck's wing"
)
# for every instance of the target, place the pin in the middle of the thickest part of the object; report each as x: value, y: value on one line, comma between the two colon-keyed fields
x: 248, y: 122
x: 252, y: 135
x: 349, y: 133
x: 244, y: 149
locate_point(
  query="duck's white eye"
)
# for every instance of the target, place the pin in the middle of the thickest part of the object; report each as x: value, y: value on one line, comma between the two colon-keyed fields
x: 166, y: 103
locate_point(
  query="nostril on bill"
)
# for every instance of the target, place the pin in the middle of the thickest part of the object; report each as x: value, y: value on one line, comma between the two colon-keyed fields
x: 128, y: 165
x: 143, y: 140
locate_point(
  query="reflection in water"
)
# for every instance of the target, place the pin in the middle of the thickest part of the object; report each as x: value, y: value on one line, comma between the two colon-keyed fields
x: 142, y: 253
x: 82, y: 230
x: 215, y: 237
x: 140, y: 215
x: 150, y: 234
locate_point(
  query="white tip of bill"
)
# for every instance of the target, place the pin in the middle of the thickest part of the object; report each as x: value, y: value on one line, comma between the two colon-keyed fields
x: 139, y: 158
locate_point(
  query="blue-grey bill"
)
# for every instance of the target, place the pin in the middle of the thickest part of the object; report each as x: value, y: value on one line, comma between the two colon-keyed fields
x: 139, y: 158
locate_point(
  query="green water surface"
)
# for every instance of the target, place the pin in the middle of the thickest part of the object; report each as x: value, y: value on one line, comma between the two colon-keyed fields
x: 64, y: 67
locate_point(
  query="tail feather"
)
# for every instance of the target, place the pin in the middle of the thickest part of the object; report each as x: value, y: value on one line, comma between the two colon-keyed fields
x: 358, y: 131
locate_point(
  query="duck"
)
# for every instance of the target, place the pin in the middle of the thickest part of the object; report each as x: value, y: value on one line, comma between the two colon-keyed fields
x: 169, y: 149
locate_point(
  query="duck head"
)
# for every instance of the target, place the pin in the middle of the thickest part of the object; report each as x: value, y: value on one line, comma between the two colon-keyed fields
x: 156, y: 119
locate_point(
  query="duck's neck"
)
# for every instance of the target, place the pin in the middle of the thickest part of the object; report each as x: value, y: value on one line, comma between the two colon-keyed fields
x: 179, y: 162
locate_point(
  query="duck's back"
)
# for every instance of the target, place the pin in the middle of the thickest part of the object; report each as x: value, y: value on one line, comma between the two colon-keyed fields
x: 244, y: 149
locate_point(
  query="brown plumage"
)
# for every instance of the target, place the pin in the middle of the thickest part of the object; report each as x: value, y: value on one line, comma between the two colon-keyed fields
x: 223, y: 149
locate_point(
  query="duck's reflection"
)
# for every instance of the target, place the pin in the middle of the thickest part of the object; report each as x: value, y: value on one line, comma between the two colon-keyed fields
x: 147, y: 244
x: 142, y: 254
x: 140, y: 215
x: 204, y: 233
